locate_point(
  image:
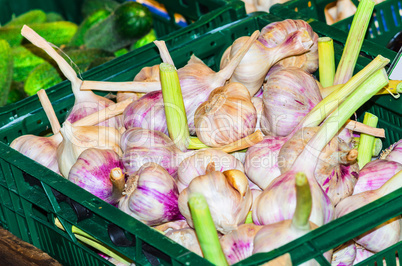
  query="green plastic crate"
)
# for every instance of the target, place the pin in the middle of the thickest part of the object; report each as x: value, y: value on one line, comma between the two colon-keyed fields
x: 384, y: 24
x: 31, y: 195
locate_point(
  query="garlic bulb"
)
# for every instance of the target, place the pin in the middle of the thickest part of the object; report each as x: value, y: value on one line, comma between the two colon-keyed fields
x: 337, y: 169
x: 40, y: 149
x: 344, y: 255
x: 383, y: 235
x: 277, y: 32
x: 228, y: 115
x: 259, y: 59
x: 151, y: 196
x: 173, y: 225
x: 196, y: 165
x: 141, y: 146
x: 99, y: 172
x: 239, y: 243
x: 272, y: 236
x: 197, y: 81
x: 228, y: 195
x: 289, y: 94
x: 76, y: 139
x: 147, y: 74
x: 374, y: 174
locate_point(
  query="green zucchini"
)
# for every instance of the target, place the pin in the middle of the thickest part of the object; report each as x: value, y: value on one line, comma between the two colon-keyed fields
x: 32, y: 16
x: 54, y: 16
x: 150, y: 37
x: 58, y: 33
x: 128, y: 23
x: 17, y: 92
x: 6, y: 71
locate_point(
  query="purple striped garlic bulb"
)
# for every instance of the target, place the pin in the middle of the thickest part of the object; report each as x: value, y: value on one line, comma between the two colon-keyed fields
x: 141, y: 146
x: 289, y: 94
x: 151, y: 196
x: 197, y: 81
x: 239, y: 244
x: 196, y: 165
x: 100, y: 172
x: 77, y: 139
x: 276, y: 32
x: 227, y: 116
x: 374, y: 174
x: 275, y: 235
x: 337, y: 169
x: 228, y: 196
x: 42, y: 150
x: 383, y: 235
x: 362, y: 254
x: 259, y: 59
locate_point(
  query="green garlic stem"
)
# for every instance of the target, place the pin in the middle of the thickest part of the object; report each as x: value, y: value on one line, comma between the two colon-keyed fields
x: 326, y: 61
x: 205, y: 230
x: 304, y: 202
x: 249, y: 218
x: 366, y: 142
x: 377, y: 147
x: 329, y: 103
x: 176, y: 117
x: 346, y: 109
x: 354, y: 41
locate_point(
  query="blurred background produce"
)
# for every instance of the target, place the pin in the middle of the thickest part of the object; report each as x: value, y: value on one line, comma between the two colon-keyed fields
x: 108, y: 29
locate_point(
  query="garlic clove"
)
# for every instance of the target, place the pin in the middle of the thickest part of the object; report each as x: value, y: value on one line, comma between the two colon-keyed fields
x: 238, y: 180
x: 187, y: 238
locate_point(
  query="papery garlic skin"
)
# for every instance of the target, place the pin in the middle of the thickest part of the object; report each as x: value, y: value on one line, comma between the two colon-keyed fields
x: 227, y: 116
x: 374, y: 174
x: 344, y: 255
x: 141, y: 146
x: 228, y: 206
x: 261, y: 164
x: 187, y: 238
x: 76, y: 139
x: 289, y: 94
x: 239, y: 244
x: 173, y: 225
x: 42, y: 150
x: 196, y: 165
x: 151, y: 196
x: 92, y: 172
x: 276, y: 32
